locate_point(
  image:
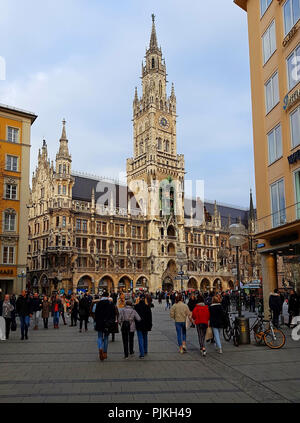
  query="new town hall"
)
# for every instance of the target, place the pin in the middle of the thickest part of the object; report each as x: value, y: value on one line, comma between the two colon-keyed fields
x: 90, y: 233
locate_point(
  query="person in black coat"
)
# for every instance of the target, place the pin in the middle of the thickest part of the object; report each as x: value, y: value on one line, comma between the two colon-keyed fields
x: 275, y: 304
x: 144, y: 326
x: 293, y: 307
x: 217, y: 318
x: 105, y: 318
x: 24, y: 310
x: 84, y: 312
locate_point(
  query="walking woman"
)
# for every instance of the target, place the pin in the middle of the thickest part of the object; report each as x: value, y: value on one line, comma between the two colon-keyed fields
x: 74, y: 310
x: 180, y: 312
x: 46, y: 308
x: 6, y: 309
x: 55, y: 310
x: 201, y: 316
x: 217, y: 320
x: 127, y: 318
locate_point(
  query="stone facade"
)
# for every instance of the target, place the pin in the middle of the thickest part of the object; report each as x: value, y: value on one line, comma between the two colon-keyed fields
x: 86, y: 232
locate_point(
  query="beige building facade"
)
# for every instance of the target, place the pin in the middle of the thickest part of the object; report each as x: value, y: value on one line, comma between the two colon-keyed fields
x: 90, y: 233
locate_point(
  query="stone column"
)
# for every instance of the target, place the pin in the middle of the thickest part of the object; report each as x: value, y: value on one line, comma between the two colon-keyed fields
x: 269, y: 277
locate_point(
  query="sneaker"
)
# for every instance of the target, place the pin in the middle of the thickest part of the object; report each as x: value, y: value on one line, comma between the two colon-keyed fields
x: 181, y: 350
x: 125, y: 358
x: 220, y: 351
x: 204, y: 353
x: 141, y: 357
x: 184, y: 347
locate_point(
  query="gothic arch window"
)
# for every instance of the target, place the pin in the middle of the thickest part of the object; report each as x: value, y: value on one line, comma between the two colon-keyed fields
x: 64, y: 168
x: 59, y: 169
x: 161, y: 104
x: 167, y: 146
x: 141, y: 147
x: 153, y: 63
x: 160, y: 89
x: 159, y: 144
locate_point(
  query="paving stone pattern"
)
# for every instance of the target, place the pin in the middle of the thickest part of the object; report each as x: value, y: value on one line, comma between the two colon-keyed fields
x: 62, y: 366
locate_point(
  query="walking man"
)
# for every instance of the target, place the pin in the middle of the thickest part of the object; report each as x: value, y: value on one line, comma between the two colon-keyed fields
x: 144, y: 326
x: 105, y: 320
x: 24, y: 310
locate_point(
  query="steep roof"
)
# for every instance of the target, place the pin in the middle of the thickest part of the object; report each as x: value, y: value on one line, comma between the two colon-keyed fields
x: 82, y: 190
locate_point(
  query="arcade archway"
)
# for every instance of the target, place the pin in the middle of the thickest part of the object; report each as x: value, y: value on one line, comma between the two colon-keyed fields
x: 124, y: 283
x: 106, y: 284
x: 167, y: 284
x: 85, y: 284
x: 192, y: 284
x: 205, y: 285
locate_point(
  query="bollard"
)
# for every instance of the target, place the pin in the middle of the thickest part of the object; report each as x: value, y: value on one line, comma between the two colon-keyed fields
x: 244, y: 330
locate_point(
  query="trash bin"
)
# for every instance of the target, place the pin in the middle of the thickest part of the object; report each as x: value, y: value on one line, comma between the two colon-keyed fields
x: 244, y: 330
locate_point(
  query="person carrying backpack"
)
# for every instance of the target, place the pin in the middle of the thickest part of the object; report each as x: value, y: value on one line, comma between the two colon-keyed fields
x: 127, y: 317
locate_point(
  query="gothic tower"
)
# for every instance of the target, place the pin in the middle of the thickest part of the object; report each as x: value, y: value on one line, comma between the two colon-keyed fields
x: 63, y: 179
x: 155, y: 173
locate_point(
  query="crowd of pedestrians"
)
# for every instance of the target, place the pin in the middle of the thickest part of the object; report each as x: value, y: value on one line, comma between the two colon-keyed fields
x: 130, y: 313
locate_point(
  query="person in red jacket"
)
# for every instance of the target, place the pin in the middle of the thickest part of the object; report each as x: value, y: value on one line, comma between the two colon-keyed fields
x: 201, y: 317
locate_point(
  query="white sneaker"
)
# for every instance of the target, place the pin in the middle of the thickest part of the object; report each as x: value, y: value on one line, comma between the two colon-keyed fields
x: 220, y: 351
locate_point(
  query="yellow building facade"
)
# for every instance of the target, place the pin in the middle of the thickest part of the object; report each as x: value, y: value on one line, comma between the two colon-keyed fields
x: 274, y: 46
x: 15, y: 128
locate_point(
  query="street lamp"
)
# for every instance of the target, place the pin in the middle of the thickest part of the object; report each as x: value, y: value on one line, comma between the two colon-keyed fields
x: 181, y: 260
x: 237, y: 239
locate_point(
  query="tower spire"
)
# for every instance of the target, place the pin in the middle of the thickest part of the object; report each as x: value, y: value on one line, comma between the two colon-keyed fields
x: 251, y: 211
x: 153, y: 39
x: 63, y: 151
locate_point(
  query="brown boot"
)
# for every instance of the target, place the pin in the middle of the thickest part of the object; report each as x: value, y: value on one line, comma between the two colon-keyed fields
x: 35, y: 328
x: 105, y: 356
x: 101, y: 354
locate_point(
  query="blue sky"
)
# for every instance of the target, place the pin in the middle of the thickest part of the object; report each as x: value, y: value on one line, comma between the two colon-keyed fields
x: 81, y: 60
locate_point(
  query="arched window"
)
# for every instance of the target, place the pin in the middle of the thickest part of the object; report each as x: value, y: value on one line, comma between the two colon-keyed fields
x: 153, y: 63
x: 10, y: 220
x: 160, y: 89
x: 159, y: 144
x: 64, y: 168
x: 141, y: 147
x: 59, y: 169
x: 167, y: 146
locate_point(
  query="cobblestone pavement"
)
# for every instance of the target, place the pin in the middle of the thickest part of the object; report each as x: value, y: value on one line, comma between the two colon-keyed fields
x: 63, y: 366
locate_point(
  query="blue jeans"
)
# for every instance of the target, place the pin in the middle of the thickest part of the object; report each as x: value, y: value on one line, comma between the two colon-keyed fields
x: 217, y: 333
x: 103, y: 341
x: 25, y: 322
x: 181, y: 332
x: 143, y: 342
x: 56, y: 318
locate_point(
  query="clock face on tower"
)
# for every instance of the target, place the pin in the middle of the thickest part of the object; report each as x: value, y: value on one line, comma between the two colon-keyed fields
x: 163, y: 122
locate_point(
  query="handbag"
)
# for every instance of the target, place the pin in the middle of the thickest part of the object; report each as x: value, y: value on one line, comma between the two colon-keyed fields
x: 13, y: 326
x: 188, y: 323
x: 209, y: 334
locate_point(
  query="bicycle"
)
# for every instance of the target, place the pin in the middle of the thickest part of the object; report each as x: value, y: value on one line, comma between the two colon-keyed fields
x: 264, y: 331
x: 232, y: 329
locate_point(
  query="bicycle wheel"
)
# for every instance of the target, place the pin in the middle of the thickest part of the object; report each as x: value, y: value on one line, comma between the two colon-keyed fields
x: 236, y: 337
x: 259, y: 337
x: 275, y: 342
x: 227, y: 333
